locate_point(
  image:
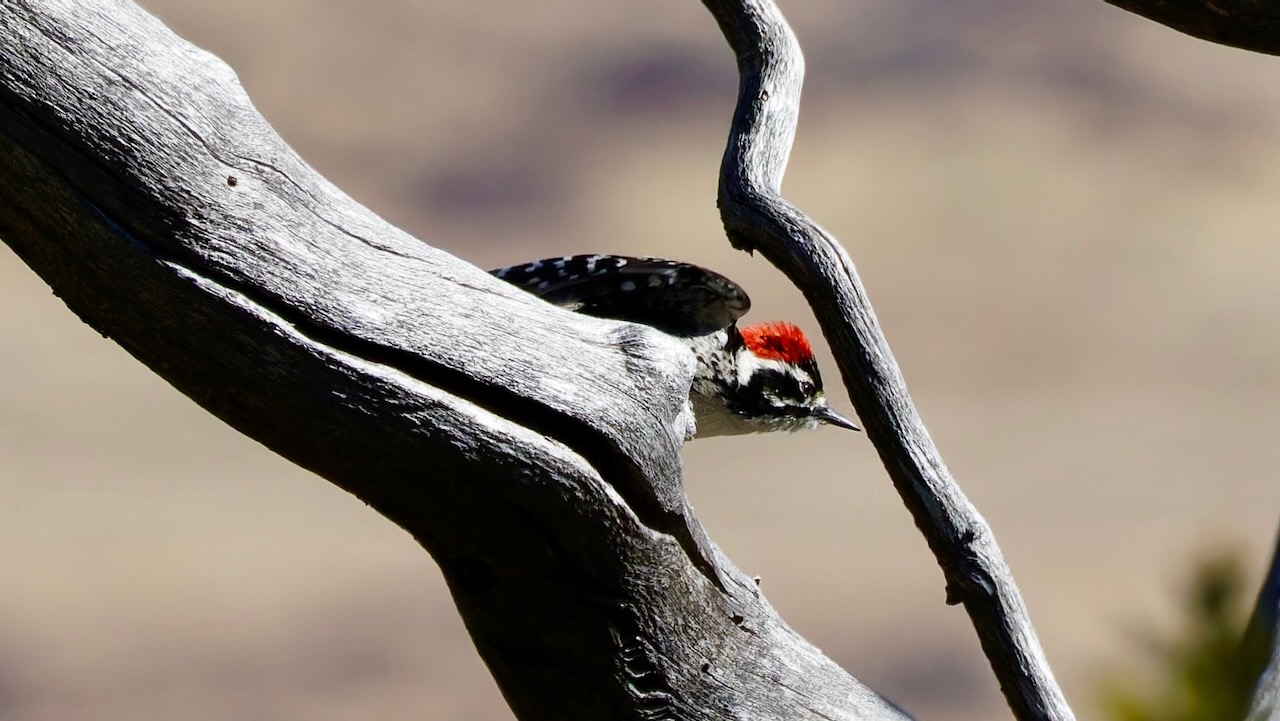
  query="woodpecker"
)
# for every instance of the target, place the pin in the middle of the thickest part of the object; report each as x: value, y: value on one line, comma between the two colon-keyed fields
x: 747, y: 380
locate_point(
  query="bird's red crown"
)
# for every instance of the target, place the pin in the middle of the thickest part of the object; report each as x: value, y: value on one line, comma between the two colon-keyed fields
x: 778, y: 340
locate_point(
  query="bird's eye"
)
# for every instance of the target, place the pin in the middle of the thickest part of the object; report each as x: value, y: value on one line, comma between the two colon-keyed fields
x: 806, y: 388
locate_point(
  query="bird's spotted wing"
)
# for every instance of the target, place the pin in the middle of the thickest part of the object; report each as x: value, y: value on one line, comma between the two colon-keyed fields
x: 677, y: 298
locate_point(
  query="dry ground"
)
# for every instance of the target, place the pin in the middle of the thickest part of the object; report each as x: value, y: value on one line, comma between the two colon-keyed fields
x: 1065, y: 215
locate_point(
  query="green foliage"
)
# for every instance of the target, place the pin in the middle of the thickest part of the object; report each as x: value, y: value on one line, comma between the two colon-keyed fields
x: 1204, y: 673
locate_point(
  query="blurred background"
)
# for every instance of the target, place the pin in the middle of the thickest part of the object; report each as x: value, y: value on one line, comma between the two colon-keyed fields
x: 1064, y: 214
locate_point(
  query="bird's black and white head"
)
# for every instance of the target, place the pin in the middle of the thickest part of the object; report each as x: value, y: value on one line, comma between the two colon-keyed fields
x: 770, y: 383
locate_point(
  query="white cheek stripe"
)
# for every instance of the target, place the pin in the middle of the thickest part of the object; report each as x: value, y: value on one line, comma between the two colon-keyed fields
x: 749, y: 363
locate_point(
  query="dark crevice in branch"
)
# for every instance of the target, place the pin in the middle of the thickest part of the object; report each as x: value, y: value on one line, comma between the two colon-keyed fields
x: 601, y: 452
x: 613, y: 464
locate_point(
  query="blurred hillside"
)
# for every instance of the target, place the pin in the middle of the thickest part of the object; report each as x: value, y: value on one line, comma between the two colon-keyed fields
x: 1064, y: 214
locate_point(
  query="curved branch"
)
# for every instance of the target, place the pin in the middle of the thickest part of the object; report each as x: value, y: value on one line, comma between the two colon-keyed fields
x: 756, y: 217
x: 137, y: 179
x: 1246, y: 24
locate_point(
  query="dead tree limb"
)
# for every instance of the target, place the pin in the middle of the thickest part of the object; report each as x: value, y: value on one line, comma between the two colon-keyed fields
x: 757, y: 218
x: 1247, y: 24
x: 139, y: 182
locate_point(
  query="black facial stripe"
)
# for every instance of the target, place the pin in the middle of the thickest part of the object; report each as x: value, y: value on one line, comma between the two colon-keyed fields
x: 754, y: 398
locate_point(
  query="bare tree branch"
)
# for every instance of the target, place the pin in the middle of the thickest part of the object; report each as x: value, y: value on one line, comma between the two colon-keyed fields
x: 1262, y: 644
x: 1248, y: 24
x: 756, y: 217
x: 137, y: 179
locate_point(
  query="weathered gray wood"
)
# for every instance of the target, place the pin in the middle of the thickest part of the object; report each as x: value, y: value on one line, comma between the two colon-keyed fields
x: 757, y: 218
x: 1262, y: 644
x: 533, y: 452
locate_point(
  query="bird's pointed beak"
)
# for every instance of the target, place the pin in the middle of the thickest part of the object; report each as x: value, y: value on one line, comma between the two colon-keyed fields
x: 827, y: 415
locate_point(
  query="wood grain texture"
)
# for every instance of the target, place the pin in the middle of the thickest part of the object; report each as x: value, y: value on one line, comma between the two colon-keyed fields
x: 757, y: 218
x: 533, y: 452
